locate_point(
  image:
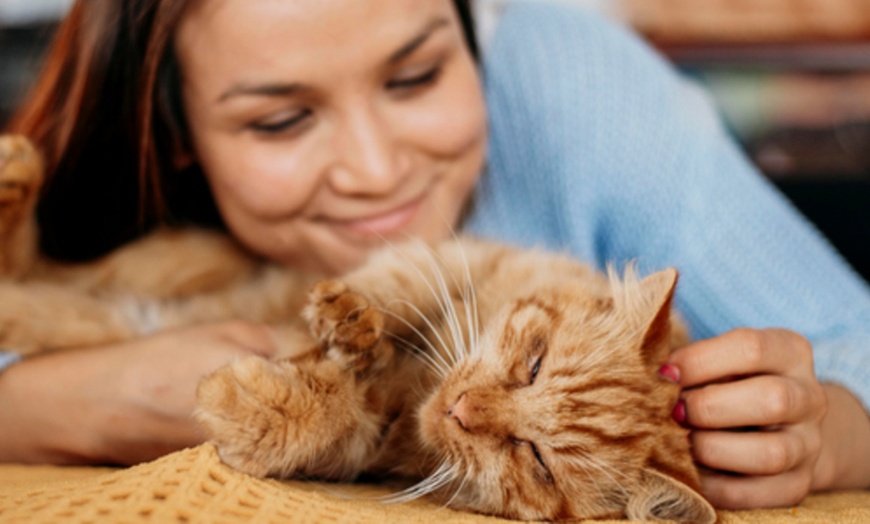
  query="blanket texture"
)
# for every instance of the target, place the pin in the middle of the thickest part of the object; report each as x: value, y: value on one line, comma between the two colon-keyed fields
x: 194, y: 486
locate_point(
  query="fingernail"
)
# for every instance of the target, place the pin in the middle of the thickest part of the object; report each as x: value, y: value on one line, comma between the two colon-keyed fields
x: 679, y: 412
x: 670, y: 372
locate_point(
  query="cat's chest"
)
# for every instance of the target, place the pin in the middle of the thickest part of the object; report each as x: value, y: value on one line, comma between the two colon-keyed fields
x: 399, y: 398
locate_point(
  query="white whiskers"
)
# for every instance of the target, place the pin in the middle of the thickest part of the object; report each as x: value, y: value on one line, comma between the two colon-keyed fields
x: 452, y: 343
x: 441, y: 293
x: 435, y: 359
x: 458, y: 489
x: 444, y: 474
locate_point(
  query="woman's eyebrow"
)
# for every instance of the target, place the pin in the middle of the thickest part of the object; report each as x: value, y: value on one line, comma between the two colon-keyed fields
x: 282, y: 90
x: 418, y: 40
x: 260, y: 90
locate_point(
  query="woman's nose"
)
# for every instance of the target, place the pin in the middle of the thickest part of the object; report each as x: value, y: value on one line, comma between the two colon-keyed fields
x: 368, y: 157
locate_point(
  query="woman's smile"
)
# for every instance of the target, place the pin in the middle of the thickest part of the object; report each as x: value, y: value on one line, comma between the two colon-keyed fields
x: 383, y: 224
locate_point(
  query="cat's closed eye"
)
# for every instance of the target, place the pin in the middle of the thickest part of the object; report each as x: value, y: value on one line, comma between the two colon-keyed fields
x: 536, y: 350
x: 544, y: 472
x: 536, y: 367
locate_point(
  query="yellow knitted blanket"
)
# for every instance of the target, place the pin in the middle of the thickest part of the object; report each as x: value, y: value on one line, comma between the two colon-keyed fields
x: 194, y: 486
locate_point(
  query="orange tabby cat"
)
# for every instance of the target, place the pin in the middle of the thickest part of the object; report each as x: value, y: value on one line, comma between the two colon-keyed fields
x: 513, y: 383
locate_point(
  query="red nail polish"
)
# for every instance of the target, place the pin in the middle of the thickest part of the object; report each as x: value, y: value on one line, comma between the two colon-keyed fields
x: 670, y: 372
x: 679, y: 412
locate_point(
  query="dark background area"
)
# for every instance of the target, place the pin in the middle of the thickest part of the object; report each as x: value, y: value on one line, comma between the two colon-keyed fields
x: 21, y: 50
x: 840, y: 209
x: 830, y: 183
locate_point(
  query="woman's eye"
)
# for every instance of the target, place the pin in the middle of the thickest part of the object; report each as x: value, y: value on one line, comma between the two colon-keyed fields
x: 410, y: 82
x: 280, y: 125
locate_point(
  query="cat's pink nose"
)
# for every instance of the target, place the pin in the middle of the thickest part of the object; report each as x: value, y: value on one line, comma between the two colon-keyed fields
x: 461, y: 411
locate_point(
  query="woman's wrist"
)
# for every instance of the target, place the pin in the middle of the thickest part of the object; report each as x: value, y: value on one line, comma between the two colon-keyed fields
x: 32, y: 422
x: 19, y: 409
x: 46, y: 399
x: 844, y: 462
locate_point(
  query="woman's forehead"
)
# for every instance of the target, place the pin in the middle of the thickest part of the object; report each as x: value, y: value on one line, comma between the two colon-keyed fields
x: 218, y: 38
x: 308, y: 23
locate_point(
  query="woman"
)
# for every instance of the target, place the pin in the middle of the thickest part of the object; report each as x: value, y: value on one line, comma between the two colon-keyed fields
x: 313, y: 131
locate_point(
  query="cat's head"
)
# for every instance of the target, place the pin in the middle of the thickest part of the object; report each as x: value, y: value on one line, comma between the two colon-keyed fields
x: 559, y: 412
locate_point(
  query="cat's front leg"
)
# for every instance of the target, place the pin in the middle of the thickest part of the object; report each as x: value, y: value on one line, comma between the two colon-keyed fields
x: 37, y: 317
x: 21, y: 176
x: 301, y: 417
x: 311, y: 415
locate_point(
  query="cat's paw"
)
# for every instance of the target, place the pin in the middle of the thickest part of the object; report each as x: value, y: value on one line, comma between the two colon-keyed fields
x: 277, y: 419
x: 20, y: 173
x: 243, y: 408
x: 348, y: 326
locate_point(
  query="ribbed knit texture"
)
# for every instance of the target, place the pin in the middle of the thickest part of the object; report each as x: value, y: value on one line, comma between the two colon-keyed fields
x: 600, y: 148
x: 194, y: 486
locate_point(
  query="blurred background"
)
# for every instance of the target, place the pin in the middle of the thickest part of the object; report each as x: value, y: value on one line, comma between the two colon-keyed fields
x: 792, y: 80
x: 26, y: 27
x: 790, y: 77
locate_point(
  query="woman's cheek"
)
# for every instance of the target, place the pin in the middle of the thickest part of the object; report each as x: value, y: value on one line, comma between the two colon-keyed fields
x: 266, y: 180
x: 454, y: 118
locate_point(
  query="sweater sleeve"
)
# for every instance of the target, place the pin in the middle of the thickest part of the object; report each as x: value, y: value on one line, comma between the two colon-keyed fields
x: 600, y: 148
x: 7, y: 358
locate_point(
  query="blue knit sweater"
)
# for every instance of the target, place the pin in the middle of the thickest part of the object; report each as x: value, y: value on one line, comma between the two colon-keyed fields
x: 599, y: 148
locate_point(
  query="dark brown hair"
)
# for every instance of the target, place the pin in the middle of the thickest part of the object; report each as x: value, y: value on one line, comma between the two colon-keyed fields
x: 106, y: 112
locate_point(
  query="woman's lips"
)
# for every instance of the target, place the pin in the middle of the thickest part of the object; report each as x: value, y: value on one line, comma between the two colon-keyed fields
x: 384, y: 224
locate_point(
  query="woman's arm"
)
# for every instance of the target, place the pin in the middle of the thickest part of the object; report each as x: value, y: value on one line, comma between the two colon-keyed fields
x: 119, y: 404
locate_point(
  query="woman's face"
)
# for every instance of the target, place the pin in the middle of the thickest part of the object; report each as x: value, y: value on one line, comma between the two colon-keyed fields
x: 328, y: 127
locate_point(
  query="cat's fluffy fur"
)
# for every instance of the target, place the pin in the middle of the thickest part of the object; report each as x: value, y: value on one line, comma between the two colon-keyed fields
x: 514, y: 383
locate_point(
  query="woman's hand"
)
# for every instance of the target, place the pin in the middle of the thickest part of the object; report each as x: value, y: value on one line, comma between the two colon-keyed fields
x: 764, y: 430
x: 756, y: 410
x: 119, y: 404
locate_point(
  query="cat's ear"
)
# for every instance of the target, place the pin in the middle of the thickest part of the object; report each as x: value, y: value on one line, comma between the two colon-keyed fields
x: 660, y: 497
x: 658, y: 292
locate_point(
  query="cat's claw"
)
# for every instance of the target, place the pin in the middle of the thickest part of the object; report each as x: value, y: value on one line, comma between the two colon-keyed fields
x: 349, y: 328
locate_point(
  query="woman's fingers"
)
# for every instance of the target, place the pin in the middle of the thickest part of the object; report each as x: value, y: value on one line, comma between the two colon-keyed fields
x: 754, y: 452
x: 761, y: 379
x: 764, y: 400
x: 750, y: 492
x: 742, y: 352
